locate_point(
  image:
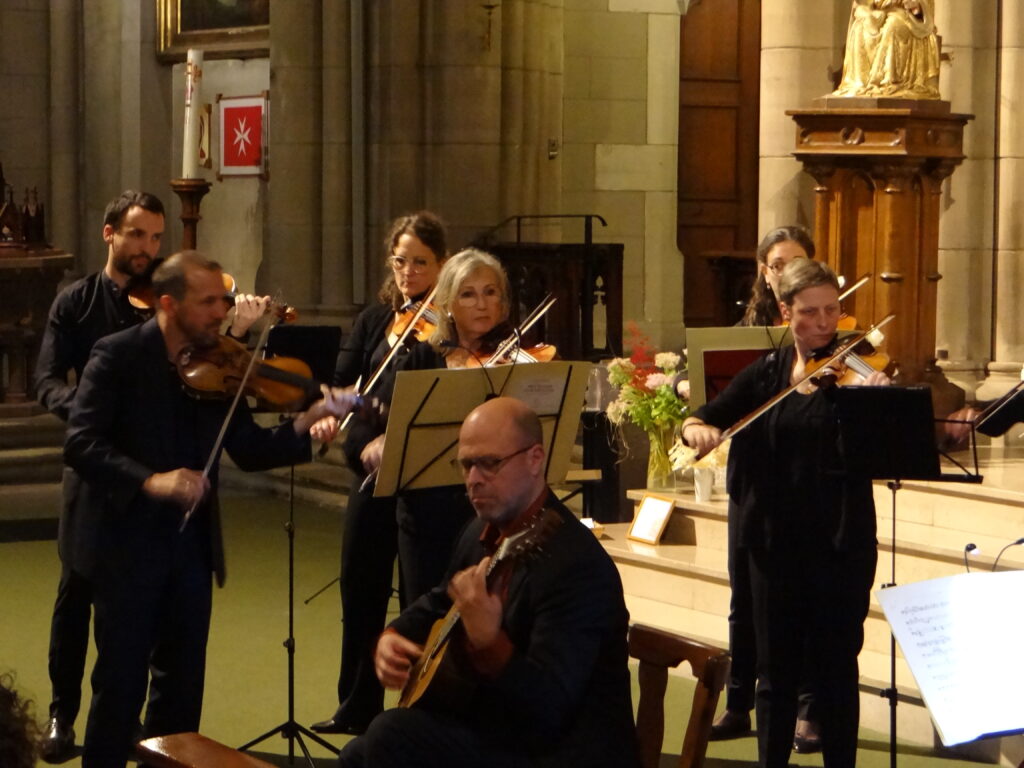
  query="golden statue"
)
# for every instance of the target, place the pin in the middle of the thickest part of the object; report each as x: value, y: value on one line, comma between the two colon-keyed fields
x: 891, y: 50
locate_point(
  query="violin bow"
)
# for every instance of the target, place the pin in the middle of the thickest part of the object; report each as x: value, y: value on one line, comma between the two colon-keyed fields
x: 379, y: 371
x: 993, y: 408
x: 215, y: 451
x: 687, y: 457
x: 855, y: 286
x: 538, y: 312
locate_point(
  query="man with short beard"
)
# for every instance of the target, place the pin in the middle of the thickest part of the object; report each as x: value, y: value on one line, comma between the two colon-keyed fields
x: 83, y: 313
x: 149, y: 510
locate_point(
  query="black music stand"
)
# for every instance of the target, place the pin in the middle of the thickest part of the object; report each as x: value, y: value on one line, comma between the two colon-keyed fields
x: 317, y: 345
x: 888, y: 433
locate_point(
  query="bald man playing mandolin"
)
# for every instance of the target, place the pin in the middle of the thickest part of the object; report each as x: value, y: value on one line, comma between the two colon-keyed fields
x: 529, y: 626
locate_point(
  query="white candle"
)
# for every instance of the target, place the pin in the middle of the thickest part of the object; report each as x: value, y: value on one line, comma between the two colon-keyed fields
x: 193, y: 105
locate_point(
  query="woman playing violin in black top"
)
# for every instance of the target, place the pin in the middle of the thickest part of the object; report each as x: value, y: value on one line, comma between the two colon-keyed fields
x: 807, y: 529
x: 416, y: 249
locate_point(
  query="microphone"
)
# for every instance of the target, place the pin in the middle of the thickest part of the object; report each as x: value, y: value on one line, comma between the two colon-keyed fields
x: 970, y: 549
x: 1011, y: 544
x: 490, y: 384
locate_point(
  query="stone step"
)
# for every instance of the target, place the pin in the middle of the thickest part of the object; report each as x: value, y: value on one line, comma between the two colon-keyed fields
x: 44, y: 430
x: 31, y: 465
x: 321, y: 481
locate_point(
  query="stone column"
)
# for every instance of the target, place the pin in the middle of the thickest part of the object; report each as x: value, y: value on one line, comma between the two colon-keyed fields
x: 801, y: 43
x: 292, y: 246
x: 62, y: 205
x: 1008, y: 342
x: 336, y: 284
x: 965, y: 300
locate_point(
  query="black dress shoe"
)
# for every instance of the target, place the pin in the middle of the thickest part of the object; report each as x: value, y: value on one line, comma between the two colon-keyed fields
x: 340, y: 722
x: 58, y: 741
x: 807, y: 739
x: 730, y: 725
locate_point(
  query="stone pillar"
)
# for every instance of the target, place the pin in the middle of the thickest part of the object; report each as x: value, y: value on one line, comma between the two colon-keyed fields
x: 801, y: 43
x: 964, y: 317
x: 62, y: 203
x: 336, y: 283
x: 1008, y: 342
x: 292, y: 245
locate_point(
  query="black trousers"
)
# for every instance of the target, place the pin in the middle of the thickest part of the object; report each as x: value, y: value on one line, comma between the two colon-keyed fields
x: 69, y: 642
x: 820, y: 594
x: 400, y: 738
x: 368, y: 552
x: 740, y: 687
x: 429, y: 522
x: 152, y: 623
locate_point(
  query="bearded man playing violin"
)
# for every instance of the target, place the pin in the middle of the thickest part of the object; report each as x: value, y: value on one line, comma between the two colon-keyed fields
x: 805, y: 527
x: 138, y: 441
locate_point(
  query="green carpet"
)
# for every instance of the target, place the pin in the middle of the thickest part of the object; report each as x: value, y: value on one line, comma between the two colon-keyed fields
x: 246, y: 688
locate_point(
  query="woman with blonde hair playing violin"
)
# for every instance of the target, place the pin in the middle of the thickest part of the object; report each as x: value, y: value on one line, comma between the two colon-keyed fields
x: 806, y: 527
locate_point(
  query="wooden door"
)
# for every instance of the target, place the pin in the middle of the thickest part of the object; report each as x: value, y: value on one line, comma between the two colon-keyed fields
x: 719, y: 111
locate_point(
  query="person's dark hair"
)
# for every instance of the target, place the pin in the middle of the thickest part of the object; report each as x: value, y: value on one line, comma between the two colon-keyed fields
x: 19, y: 732
x: 428, y: 228
x: 763, y: 309
x: 118, y: 207
x: 801, y: 274
x: 170, y: 278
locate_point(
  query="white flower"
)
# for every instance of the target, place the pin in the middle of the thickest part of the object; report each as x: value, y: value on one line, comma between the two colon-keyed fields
x: 667, y: 361
x: 683, y: 389
x: 616, y: 411
x: 655, y: 380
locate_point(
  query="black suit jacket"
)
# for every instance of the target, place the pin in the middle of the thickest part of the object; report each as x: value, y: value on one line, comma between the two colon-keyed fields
x: 130, y: 419
x: 564, y: 696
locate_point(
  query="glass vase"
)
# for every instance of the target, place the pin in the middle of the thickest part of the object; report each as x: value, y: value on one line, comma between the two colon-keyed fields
x: 659, y: 466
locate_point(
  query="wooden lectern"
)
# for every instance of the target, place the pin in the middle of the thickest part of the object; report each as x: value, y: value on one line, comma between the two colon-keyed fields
x: 879, y: 165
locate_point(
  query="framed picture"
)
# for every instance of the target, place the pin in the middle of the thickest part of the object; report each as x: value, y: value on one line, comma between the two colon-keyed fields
x: 652, y: 515
x: 221, y: 28
x: 243, y: 135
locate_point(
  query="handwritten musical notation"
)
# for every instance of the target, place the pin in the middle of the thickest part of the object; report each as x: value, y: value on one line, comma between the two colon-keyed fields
x: 960, y: 636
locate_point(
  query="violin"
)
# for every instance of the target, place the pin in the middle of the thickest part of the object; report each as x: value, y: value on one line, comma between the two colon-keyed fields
x: 423, y: 323
x: 859, y: 362
x: 143, y: 298
x: 277, y: 383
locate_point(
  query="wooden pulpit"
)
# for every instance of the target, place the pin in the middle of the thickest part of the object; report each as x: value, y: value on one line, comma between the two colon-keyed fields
x: 879, y: 165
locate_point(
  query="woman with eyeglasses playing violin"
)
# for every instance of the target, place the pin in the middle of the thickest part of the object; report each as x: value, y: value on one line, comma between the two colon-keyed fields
x: 776, y: 250
x: 805, y: 528
x: 416, y: 248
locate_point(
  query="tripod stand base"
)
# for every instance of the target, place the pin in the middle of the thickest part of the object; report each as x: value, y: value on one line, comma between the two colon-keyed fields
x: 293, y: 732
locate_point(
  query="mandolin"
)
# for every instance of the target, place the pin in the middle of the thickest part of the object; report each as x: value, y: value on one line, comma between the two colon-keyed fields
x: 525, y: 544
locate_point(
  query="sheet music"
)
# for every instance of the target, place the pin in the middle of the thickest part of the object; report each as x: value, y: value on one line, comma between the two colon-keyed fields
x: 961, y: 637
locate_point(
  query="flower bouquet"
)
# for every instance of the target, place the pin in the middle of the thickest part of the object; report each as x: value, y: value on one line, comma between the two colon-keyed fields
x: 647, y: 398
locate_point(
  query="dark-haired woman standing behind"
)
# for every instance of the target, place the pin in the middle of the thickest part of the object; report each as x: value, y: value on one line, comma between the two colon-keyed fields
x: 416, y: 248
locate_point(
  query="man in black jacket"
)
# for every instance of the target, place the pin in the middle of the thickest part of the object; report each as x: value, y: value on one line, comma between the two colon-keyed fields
x: 541, y: 645
x: 139, y: 442
x: 82, y: 314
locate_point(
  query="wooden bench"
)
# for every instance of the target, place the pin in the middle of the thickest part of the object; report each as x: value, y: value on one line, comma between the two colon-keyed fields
x: 658, y: 650
x: 193, y: 750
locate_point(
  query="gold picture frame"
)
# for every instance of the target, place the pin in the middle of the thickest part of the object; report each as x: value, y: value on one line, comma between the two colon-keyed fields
x: 651, y: 518
x: 184, y: 24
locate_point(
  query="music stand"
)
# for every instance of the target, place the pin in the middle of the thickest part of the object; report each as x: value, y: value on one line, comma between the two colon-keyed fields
x: 888, y: 433
x: 428, y: 408
x: 317, y: 345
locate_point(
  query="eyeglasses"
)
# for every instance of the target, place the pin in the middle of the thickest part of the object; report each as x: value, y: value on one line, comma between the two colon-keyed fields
x: 472, y: 298
x: 415, y: 266
x: 779, y: 267
x: 488, y: 466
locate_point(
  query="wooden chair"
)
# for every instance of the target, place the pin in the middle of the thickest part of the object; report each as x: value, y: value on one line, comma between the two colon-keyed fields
x: 657, y: 650
x: 192, y: 750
